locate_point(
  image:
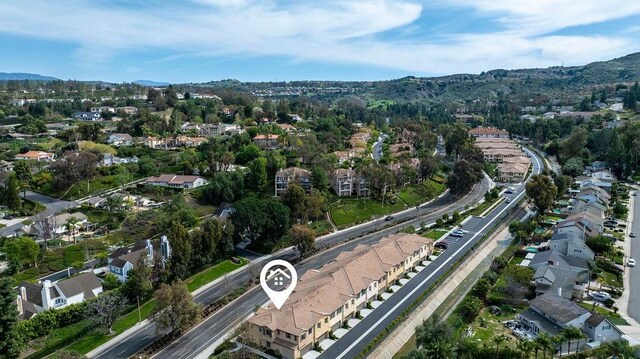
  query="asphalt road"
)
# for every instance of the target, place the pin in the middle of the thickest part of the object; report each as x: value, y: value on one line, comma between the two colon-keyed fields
x: 52, y: 205
x: 217, y: 325
x: 633, y: 308
x: 356, y: 339
x: 377, y: 147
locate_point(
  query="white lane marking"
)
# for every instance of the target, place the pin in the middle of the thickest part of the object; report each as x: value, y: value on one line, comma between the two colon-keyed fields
x: 418, y: 287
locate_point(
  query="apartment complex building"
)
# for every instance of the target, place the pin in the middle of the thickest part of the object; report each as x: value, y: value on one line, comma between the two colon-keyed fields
x: 327, y: 297
x: 512, y: 163
x: 345, y: 182
x: 301, y: 176
x: 488, y: 132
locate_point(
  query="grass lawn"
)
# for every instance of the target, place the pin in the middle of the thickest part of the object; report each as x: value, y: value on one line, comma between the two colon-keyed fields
x: 57, y: 339
x: 380, y: 103
x: 613, y: 317
x: 434, y: 234
x: 321, y: 227
x: 213, y: 273
x: 416, y: 194
x: 96, y: 337
x: 612, y: 279
x: 349, y: 211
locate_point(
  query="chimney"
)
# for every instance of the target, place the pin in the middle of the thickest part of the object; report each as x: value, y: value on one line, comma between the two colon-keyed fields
x: 46, y: 295
x: 19, y: 304
x: 23, y: 293
x: 559, y: 291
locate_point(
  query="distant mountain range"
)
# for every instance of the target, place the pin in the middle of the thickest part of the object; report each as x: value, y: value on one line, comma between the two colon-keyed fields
x: 6, y: 76
x: 150, y: 83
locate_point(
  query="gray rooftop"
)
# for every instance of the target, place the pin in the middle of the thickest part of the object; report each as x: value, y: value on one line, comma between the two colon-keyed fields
x: 559, y: 308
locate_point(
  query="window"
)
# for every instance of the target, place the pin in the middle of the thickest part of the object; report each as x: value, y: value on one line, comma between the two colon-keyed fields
x: 318, y: 325
x: 310, y: 330
x: 268, y: 344
x: 606, y: 327
x: 326, y: 320
x: 288, y: 336
x: 303, y: 337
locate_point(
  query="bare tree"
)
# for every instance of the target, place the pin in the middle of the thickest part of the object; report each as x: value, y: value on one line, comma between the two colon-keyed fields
x: 105, y: 309
x: 44, y: 224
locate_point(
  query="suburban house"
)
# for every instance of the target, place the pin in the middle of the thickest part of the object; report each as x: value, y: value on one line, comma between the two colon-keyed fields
x: 301, y: 176
x: 604, y: 175
x: 595, y: 209
x: 103, y: 109
x: 176, y: 181
x: 511, y: 172
x: 267, y: 142
x: 120, y: 139
x: 109, y: 160
x: 129, y: 110
x: 36, y: 156
x: 488, y: 132
x: 591, y: 194
x: 550, y: 313
x: 360, y: 138
x: 326, y: 298
x: 6, y: 166
x: 570, y: 244
x: 123, y: 260
x: 557, y: 273
x: 87, y: 116
x: 344, y: 156
x: 584, y: 225
x: 36, y: 298
x: 218, y: 129
x: 345, y: 182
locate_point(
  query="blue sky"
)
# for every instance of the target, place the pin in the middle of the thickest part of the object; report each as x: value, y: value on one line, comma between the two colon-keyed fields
x: 266, y: 40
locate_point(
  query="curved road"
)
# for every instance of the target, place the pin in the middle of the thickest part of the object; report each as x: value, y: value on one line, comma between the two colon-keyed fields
x: 217, y: 325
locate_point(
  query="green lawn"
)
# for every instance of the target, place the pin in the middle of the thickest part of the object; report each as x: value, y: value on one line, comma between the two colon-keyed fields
x: 95, y: 337
x: 213, y: 273
x: 321, y: 227
x: 416, y: 194
x: 350, y: 211
x: 434, y: 234
x: 612, y: 279
x: 613, y: 317
x: 380, y: 103
x: 57, y: 339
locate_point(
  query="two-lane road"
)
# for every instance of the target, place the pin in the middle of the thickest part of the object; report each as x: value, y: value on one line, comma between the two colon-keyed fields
x: 633, y: 306
x: 217, y: 325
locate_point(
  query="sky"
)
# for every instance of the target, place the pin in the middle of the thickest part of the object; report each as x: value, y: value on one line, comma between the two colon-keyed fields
x: 283, y: 40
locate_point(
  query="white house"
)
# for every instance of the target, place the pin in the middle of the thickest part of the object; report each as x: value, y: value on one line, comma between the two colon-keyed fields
x: 176, y: 181
x: 126, y: 259
x: 120, y: 139
x: 35, y: 298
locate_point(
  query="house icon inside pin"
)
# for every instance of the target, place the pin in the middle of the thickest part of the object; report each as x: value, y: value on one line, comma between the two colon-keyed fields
x: 278, y: 276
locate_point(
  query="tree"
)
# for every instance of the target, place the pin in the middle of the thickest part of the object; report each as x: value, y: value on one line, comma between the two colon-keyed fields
x: 9, y: 342
x: 429, y: 165
x: 181, y: 250
x: 303, y: 238
x: 525, y: 346
x: 257, y: 177
x: 113, y: 203
x: 23, y: 173
x: 574, y: 143
x: 573, y: 167
x: 72, y: 168
x: 247, y: 153
x: 454, y: 135
x: 569, y: 334
x: 105, y: 310
x: 12, y: 193
x: 471, y: 307
x: 294, y: 198
x: 110, y: 282
x: 138, y: 284
x: 462, y: 178
x: 319, y: 179
x: 542, y: 191
x: 175, y: 308
x: 482, y: 288
x: 600, y: 244
x: 263, y: 222
x: 544, y: 342
x: 206, y: 242
x: 498, y: 342
x: 71, y: 225
x: 432, y: 330
x: 21, y: 250
x: 563, y: 183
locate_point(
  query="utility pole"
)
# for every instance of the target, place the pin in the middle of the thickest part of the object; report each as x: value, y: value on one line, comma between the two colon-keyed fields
x: 139, y: 314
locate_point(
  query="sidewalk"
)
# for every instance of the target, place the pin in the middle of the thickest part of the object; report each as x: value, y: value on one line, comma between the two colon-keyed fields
x: 623, y: 303
x: 403, y: 333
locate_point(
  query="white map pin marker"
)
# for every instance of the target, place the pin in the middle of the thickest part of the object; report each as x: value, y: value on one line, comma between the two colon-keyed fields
x: 273, y: 278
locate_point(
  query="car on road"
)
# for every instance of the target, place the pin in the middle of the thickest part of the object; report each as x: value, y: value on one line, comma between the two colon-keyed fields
x: 508, y: 200
x: 8, y: 216
x: 509, y: 190
x: 389, y: 218
x: 457, y: 233
x: 631, y: 262
x: 632, y: 235
x: 600, y: 296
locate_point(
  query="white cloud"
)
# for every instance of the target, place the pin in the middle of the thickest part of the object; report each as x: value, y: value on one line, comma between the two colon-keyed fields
x: 327, y: 31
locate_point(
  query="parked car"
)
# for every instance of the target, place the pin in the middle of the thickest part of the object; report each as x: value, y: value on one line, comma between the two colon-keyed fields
x: 632, y: 235
x: 631, y: 262
x: 600, y: 296
x: 508, y: 200
x: 389, y: 218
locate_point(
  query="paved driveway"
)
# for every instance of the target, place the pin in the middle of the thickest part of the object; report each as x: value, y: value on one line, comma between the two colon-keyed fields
x: 51, y: 204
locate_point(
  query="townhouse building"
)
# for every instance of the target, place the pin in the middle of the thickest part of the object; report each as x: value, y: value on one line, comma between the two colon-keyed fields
x: 327, y: 297
x: 298, y: 175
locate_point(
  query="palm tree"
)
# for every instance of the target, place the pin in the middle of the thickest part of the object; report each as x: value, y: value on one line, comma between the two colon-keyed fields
x: 581, y: 335
x: 70, y: 225
x: 542, y: 341
x: 570, y: 333
x: 525, y: 347
x: 555, y: 343
x: 498, y: 341
x: 113, y: 203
